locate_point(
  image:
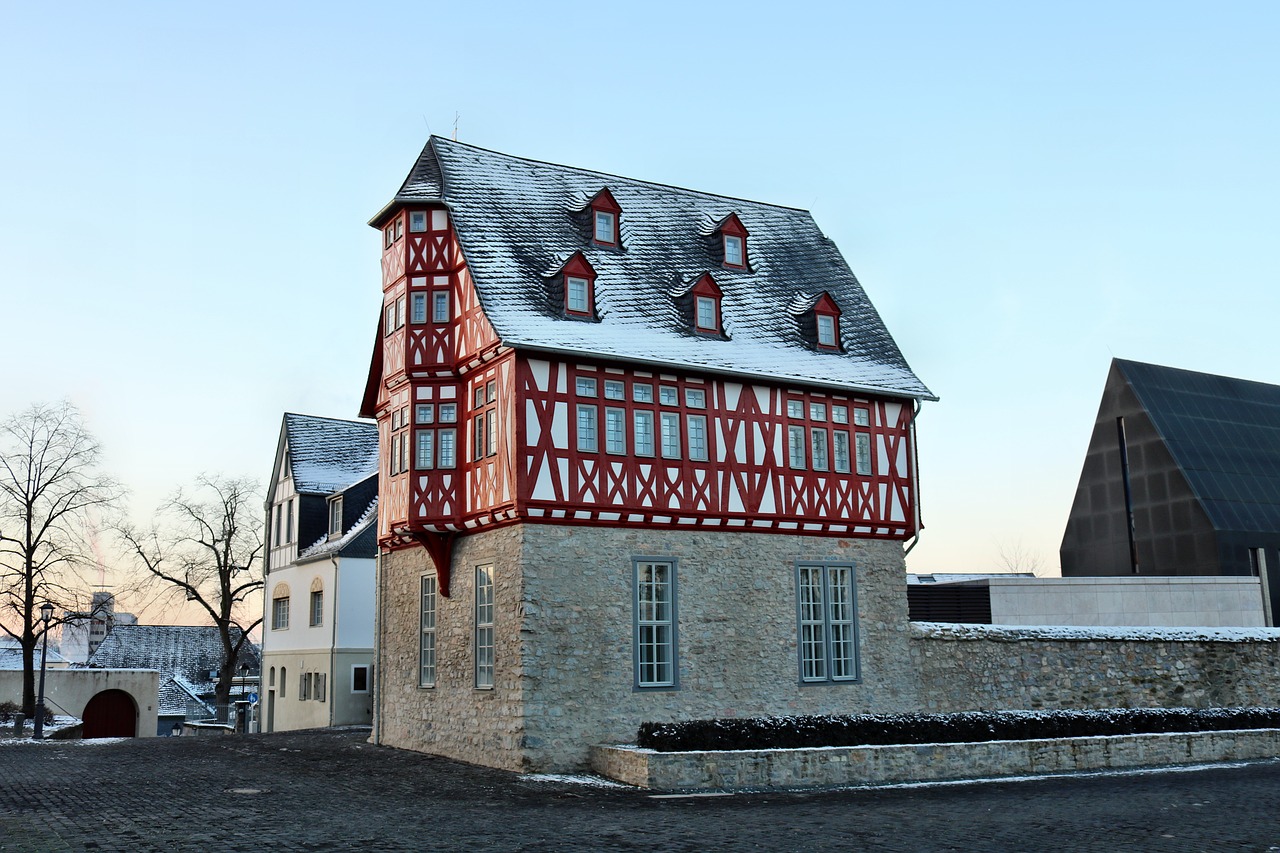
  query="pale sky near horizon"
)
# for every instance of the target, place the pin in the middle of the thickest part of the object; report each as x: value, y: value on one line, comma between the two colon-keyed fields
x: 1024, y: 190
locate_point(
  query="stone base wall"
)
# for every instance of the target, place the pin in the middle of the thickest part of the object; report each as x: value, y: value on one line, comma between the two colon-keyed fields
x: 976, y: 668
x: 565, y: 676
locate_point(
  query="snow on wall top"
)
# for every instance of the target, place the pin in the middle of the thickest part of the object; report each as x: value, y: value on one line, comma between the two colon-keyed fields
x: 1015, y: 633
x: 327, y: 454
x: 520, y: 220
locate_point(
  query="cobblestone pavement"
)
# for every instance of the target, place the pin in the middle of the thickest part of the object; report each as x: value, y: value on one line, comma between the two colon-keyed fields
x: 331, y: 790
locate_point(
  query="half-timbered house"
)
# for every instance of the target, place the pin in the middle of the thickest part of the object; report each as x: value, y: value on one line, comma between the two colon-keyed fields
x: 647, y: 453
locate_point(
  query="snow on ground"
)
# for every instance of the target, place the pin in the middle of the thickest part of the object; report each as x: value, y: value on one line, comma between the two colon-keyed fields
x: 1010, y: 633
x: 575, y: 779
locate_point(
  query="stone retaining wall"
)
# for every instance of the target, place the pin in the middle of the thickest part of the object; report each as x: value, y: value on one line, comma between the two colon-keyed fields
x: 877, y: 765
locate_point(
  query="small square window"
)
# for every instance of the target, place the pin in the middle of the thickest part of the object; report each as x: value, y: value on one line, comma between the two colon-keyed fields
x: 817, y: 412
x: 615, y: 390
x: 733, y: 251
x: 417, y: 222
x: 424, y: 413
x: 668, y: 396
x: 695, y: 398
x: 795, y: 409
x: 840, y: 414
x: 642, y: 393
x: 862, y: 417
x: 604, y: 227
x: 585, y: 386
x: 448, y: 413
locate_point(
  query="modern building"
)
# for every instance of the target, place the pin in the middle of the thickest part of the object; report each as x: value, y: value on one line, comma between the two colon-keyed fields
x: 647, y: 453
x: 1182, y: 477
x: 319, y: 607
x: 85, y: 631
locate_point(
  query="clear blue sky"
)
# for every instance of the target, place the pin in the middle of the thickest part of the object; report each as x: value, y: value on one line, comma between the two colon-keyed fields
x: 1024, y: 189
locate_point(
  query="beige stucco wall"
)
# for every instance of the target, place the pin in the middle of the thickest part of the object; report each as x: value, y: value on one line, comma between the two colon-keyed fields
x: 69, y: 690
x: 563, y: 625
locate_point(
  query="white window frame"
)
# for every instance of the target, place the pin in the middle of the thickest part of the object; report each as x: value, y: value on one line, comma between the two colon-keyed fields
x: 862, y: 452
x: 280, y: 613
x: 615, y: 430
x: 483, y: 646
x: 367, y: 673
x: 839, y: 414
x: 734, y: 250
x: 335, y: 515
x: 670, y: 427
x: 643, y: 433
x: 795, y: 408
x: 317, y: 608
x: 841, y: 452
x: 588, y: 428
x: 699, y: 444
x: 605, y: 227
x: 615, y: 389
x: 655, y: 623
x: 668, y: 395
x: 706, y: 314
x: 424, y: 455
x: 642, y: 392
x: 695, y: 398
x: 820, y: 452
x: 424, y: 413
x: 826, y: 330
x: 576, y: 291
x: 439, y: 306
x: 418, y: 308
x: 446, y: 448
x: 417, y: 222
x: 827, y: 623
x: 861, y: 417
x: 428, y: 589
x: 585, y: 386
x: 796, y: 448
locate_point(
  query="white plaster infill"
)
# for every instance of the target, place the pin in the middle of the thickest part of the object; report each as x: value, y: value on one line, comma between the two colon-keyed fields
x: 824, y: 767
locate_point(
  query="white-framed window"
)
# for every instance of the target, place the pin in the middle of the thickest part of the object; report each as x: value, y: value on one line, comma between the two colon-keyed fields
x: 484, y: 649
x: 861, y: 417
x: 427, y: 633
x: 795, y: 408
x: 706, y: 314
x: 668, y: 396
x: 359, y: 678
x: 817, y: 411
x: 862, y: 449
x: 477, y: 437
x: 317, y: 608
x: 448, y: 413
x: 840, y: 414
x: 644, y: 433
x: 576, y: 294
x: 615, y: 389
x: 615, y: 431
x: 417, y: 221
x: 826, y: 330
x: 418, y: 308
x: 585, y: 386
x: 447, y: 447
x: 827, y: 622
x: 424, y: 457
x: 439, y: 306
x: 280, y: 613
x: 842, y: 452
x: 335, y: 516
x: 695, y: 398
x: 605, y: 227
x: 642, y: 392
x: 400, y: 312
x: 655, y: 623
x: 733, y: 251
x: 697, y: 426
x: 818, y: 436
x: 424, y: 413
x: 795, y: 446
x: 588, y: 429
x: 670, y: 435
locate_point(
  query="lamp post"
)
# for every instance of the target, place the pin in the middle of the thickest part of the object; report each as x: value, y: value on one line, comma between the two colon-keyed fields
x: 46, y: 613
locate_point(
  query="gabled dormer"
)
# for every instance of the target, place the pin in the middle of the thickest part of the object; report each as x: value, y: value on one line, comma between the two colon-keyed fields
x: 706, y: 296
x: 732, y: 236
x: 826, y: 320
x: 606, y: 219
x: 573, y: 288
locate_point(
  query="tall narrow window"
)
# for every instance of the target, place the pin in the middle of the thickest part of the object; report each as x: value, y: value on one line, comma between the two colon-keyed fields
x: 644, y: 433
x: 670, y: 435
x: 862, y: 443
x: 795, y: 445
x: 425, y: 457
x: 819, y: 436
x: 615, y: 431
x: 418, y: 310
x: 605, y: 227
x: 707, y: 314
x: 842, y: 452
x: 288, y: 520
x: 579, y: 283
x: 826, y: 315
x: 280, y: 612
x: 588, y: 436
x: 576, y: 295
x: 733, y: 251
x: 448, y: 447
x: 826, y: 330
x: 440, y: 306
x: 427, y: 634
x: 484, y: 627
x: 827, y: 622
x: 317, y: 608
x: 733, y: 235
x: 335, y: 516
x: 655, y: 623
x: 697, y: 437
x: 605, y: 214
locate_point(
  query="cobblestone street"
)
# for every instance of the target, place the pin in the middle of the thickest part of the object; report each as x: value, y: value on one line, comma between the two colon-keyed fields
x: 330, y: 790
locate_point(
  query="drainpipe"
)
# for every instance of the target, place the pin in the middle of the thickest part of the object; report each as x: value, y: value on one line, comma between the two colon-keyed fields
x: 915, y: 474
x: 1128, y: 494
x: 377, y: 647
x: 333, y: 646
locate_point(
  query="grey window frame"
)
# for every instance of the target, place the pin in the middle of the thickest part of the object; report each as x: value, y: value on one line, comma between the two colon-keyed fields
x: 317, y: 608
x: 673, y: 624
x: 427, y: 630
x: 484, y: 653
x: 825, y: 569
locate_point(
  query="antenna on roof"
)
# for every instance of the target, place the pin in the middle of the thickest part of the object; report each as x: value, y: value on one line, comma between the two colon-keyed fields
x: 455, y: 126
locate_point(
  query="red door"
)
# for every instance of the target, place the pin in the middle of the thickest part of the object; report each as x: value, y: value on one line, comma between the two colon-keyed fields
x: 111, y: 714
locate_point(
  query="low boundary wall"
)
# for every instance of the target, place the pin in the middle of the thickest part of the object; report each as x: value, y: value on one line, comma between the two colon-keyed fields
x: 937, y: 762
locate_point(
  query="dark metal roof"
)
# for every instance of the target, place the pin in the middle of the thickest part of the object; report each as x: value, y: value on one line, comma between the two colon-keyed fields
x: 1224, y: 434
x: 520, y: 220
x: 327, y: 454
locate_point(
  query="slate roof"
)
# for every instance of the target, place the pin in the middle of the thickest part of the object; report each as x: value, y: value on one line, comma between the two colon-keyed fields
x: 1224, y: 434
x: 187, y: 651
x: 359, y: 541
x: 11, y: 655
x: 328, y: 454
x: 520, y: 220
x: 179, y: 698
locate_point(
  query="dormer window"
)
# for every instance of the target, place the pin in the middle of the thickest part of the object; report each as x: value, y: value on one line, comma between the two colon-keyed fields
x: 733, y: 236
x: 605, y: 213
x: 706, y: 306
x: 826, y: 315
x: 335, y: 516
x: 578, y: 280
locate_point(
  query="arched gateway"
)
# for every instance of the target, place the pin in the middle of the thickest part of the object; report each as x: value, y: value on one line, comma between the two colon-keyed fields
x: 111, y: 713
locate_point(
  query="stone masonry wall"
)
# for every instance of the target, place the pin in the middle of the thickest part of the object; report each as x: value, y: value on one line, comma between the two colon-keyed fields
x: 967, y: 668
x: 737, y: 654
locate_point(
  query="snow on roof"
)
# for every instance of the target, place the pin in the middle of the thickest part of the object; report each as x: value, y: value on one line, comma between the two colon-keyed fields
x: 11, y: 654
x: 1015, y: 633
x: 520, y: 220
x: 324, y: 545
x: 189, y: 651
x: 327, y: 455
x: 177, y: 696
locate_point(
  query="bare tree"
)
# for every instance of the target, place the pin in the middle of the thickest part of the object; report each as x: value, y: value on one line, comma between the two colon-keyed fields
x: 1015, y: 556
x: 207, y: 546
x: 49, y: 486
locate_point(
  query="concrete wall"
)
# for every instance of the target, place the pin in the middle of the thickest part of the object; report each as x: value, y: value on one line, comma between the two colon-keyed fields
x: 983, y: 668
x: 69, y: 690
x: 563, y: 627
x: 1161, y: 601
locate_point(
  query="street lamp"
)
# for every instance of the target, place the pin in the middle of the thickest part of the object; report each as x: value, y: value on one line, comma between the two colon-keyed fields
x: 46, y: 613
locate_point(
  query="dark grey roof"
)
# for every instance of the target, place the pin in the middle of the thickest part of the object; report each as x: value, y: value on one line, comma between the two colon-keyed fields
x: 188, y: 651
x: 520, y: 220
x: 11, y: 655
x: 328, y: 454
x: 178, y: 698
x: 360, y: 541
x: 1224, y: 434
